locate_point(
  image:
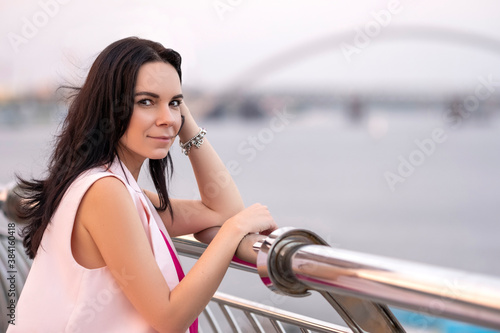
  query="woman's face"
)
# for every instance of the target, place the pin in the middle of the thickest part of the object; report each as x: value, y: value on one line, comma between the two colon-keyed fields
x: 156, y: 117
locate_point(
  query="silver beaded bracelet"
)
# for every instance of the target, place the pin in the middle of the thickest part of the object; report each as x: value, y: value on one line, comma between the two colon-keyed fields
x: 196, y: 141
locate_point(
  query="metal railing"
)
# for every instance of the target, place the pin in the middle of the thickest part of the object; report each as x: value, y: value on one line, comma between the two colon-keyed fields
x: 359, y: 286
x: 359, y: 315
x: 255, y: 317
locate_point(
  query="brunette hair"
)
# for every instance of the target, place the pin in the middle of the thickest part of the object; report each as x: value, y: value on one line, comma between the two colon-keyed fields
x: 98, y: 115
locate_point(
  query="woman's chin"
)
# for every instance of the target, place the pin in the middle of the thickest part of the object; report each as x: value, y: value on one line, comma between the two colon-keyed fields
x: 158, y: 155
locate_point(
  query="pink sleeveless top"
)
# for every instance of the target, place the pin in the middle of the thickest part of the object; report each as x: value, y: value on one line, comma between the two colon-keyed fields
x: 61, y: 296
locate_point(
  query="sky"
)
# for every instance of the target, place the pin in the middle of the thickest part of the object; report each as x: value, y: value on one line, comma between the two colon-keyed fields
x: 352, y: 45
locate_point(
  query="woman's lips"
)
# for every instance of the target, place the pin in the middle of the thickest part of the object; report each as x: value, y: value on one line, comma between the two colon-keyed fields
x: 161, y: 138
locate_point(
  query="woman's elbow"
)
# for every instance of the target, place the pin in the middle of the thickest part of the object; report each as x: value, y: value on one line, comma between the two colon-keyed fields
x: 171, y: 326
x: 172, y: 320
x: 205, y: 236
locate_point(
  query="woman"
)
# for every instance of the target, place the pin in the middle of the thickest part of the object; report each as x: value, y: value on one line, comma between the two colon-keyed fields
x: 103, y: 258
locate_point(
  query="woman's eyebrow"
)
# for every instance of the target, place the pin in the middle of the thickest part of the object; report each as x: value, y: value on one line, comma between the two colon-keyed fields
x: 147, y: 94
x: 178, y: 96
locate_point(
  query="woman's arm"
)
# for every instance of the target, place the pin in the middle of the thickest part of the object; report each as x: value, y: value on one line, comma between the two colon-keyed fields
x: 109, y: 215
x: 220, y: 198
x: 245, y: 248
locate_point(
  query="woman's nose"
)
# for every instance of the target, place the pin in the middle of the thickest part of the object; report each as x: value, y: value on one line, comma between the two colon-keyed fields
x: 165, y: 116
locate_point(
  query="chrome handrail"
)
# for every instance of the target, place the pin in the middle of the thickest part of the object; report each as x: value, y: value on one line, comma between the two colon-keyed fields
x: 292, y: 265
x: 359, y: 314
x: 436, y: 291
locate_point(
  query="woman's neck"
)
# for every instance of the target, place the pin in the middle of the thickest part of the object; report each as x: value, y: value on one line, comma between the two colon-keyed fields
x: 133, y: 165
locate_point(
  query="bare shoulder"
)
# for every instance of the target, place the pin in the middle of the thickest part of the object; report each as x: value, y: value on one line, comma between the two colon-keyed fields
x: 106, y: 186
x: 110, y: 217
x: 106, y: 197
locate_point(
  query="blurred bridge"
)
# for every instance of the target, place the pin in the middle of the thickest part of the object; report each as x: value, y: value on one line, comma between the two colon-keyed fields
x: 234, y: 97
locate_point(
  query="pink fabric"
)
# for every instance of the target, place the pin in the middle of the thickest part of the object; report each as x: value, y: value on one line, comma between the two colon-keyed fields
x: 180, y: 274
x: 243, y: 262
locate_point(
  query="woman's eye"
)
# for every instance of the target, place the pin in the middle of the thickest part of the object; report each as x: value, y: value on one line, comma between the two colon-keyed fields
x: 145, y: 102
x: 176, y: 103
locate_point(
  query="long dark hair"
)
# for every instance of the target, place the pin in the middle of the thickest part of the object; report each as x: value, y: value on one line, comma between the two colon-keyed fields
x: 98, y: 115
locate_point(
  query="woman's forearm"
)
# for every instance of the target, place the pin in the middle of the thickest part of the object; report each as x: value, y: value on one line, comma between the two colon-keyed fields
x: 217, y: 188
x: 193, y: 293
x: 245, y: 248
x: 201, y: 282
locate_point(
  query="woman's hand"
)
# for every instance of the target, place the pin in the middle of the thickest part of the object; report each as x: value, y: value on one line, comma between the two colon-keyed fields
x: 184, y: 109
x: 189, y: 128
x: 254, y: 219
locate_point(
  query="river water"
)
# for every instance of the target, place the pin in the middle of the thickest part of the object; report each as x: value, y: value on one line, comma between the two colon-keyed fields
x: 319, y: 170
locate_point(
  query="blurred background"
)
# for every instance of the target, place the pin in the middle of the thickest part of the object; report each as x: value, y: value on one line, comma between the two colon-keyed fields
x: 373, y: 123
